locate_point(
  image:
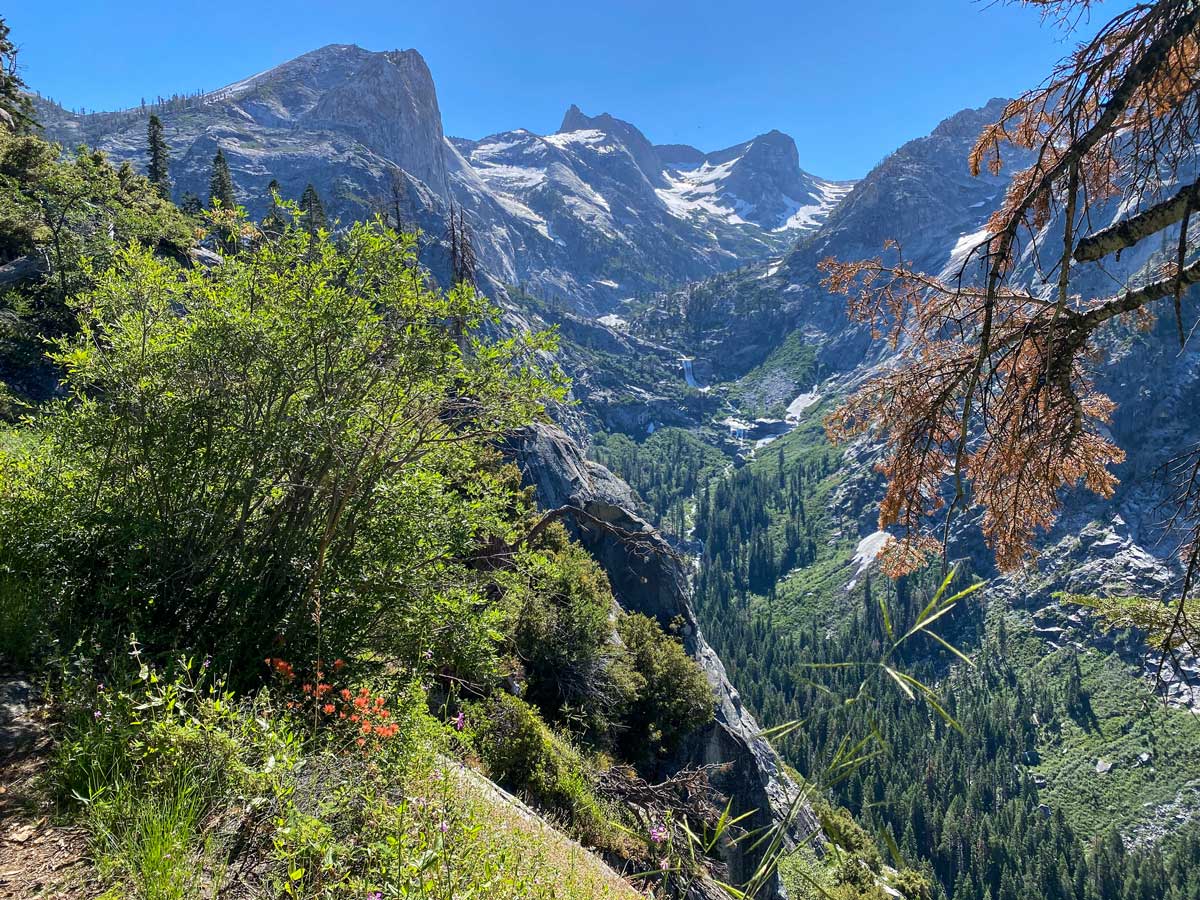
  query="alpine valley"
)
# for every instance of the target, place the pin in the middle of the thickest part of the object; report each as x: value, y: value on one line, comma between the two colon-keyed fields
x: 1035, y: 750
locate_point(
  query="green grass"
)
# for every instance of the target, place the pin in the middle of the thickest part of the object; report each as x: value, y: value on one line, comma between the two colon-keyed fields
x: 772, y: 384
x: 816, y: 591
x: 154, y: 844
x: 166, y: 774
x: 1126, y: 719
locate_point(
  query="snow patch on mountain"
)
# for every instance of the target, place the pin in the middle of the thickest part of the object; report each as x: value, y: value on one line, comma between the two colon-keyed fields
x: 595, y: 140
x: 869, y: 548
x: 811, y: 215
x: 804, y: 401
x: 706, y: 190
x: 695, y: 191
x: 965, y: 244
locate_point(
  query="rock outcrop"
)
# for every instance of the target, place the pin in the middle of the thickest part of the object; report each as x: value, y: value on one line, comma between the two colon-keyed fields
x: 655, y: 583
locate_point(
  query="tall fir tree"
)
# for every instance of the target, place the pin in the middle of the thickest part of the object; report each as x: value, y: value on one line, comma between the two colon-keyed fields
x: 16, y: 108
x: 462, y: 250
x: 159, y: 168
x: 220, y: 185
x: 312, y: 210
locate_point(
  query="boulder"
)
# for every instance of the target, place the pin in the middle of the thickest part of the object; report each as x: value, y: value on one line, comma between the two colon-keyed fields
x: 23, y: 270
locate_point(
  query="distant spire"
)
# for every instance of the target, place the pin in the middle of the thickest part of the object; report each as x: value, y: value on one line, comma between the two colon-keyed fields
x: 575, y: 120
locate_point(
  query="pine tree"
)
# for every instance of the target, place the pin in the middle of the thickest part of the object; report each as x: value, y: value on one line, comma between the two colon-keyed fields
x: 220, y: 185
x: 158, y: 171
x: 16, y: 109
x: 190, y: 204
x: 312, y: 211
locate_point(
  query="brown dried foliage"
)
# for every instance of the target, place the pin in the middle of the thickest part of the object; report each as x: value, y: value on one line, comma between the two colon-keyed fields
x: 990, y: 388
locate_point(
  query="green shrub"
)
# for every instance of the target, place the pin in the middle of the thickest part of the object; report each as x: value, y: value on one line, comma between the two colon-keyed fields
x: 22, y: 620
x: 912, y: 884
x: 75, y: 212
x: 847, y: 834
x: 563, y: 637
x: 673, y: 694
x: 288, y: 450
x: 618, y: 677
x: 522, y: 753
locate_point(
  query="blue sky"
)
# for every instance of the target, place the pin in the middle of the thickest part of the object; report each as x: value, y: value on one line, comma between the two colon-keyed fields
x: 850, y: 80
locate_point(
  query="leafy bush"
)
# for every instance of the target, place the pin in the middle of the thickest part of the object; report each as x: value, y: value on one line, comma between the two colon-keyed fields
x: 68, y: 215
x: 289, y: 450
x: 618, y: 677
x: 521, y: 752
x: 22, y: 620
x: 673, y: 695
x: 847, y: 834
x: 76, y: 213
x: 912, y: 884
x: 563, y: 636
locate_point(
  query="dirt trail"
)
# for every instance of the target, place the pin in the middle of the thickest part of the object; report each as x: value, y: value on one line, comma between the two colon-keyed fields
x: 38, y: 860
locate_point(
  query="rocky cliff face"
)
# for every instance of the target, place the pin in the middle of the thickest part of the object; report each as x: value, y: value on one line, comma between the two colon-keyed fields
x: 759, y: 181
x: 593, y: 214
x: 655, y: 583
x: 346, y: 106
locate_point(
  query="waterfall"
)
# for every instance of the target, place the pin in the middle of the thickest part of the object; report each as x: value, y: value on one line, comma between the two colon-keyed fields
x: 688, y: 375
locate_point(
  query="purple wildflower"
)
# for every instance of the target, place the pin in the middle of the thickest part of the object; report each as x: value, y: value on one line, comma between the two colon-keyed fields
x: 658, y: 833
x: 460, y: 721
x: 96, y: 714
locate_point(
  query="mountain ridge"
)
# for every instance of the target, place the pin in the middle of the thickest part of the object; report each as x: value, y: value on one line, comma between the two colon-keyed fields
x: 593, y: 220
